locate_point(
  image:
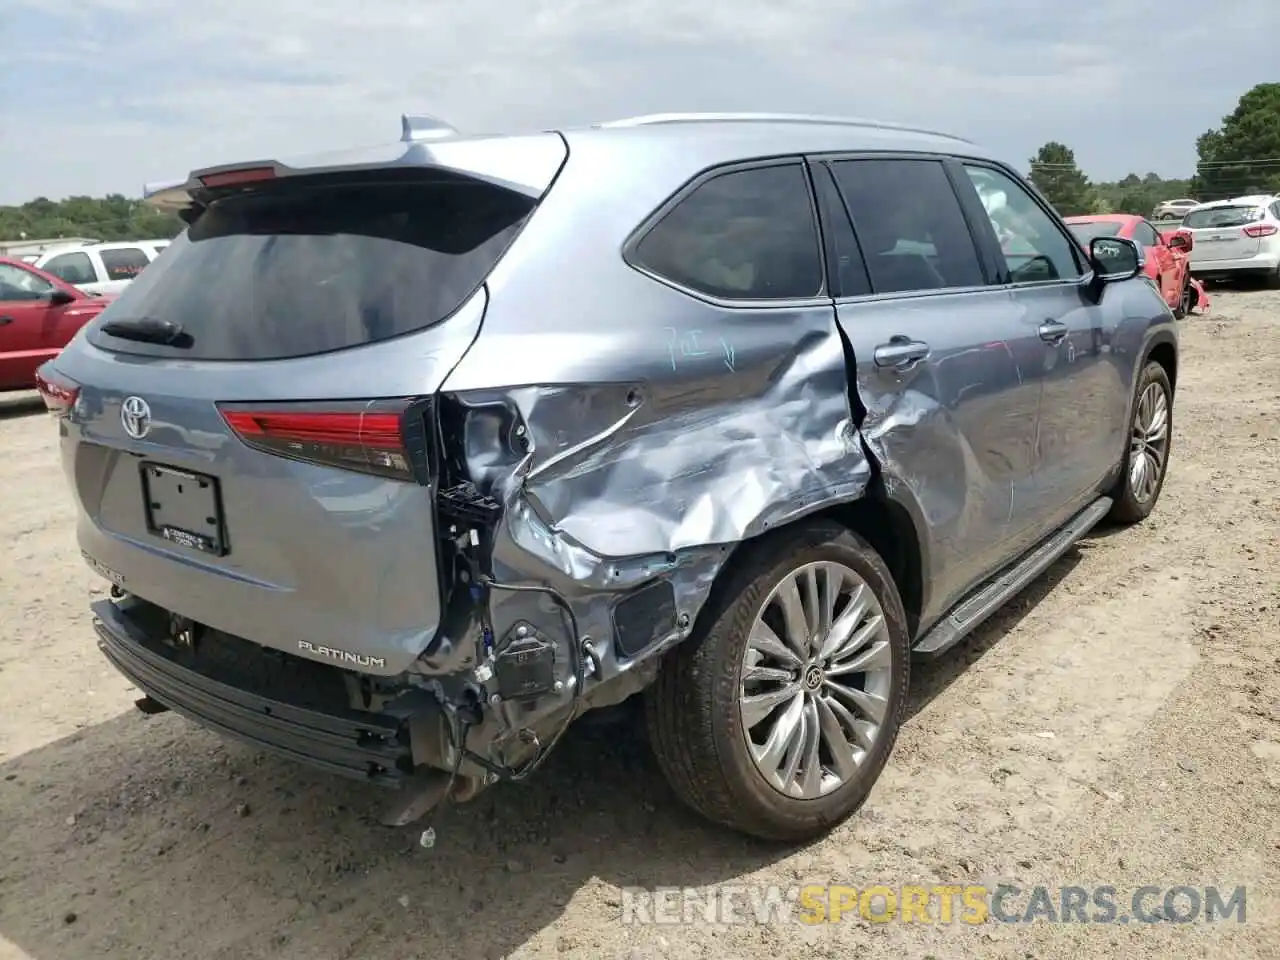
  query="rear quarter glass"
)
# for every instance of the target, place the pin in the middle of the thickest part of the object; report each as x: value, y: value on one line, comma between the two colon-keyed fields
x: 293, y: 270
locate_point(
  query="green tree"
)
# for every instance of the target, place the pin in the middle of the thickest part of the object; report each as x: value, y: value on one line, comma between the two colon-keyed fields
x: 1243, y: 155
x: 114, y: 217
x: 1056, y: 175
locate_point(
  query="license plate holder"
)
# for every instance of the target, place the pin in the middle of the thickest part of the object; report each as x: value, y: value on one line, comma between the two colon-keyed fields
x: 184, y: 508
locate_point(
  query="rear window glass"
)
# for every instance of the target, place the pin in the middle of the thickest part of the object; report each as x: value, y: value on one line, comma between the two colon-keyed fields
x: 299, y: 270
x: 1221, y: 217
x: 1085, y: 232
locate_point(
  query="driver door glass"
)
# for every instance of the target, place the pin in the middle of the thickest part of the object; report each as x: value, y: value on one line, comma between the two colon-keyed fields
x: 18, y: 285
x: 1035, y: 249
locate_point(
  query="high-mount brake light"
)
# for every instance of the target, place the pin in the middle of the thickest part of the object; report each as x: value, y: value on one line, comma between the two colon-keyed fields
x: 1261, y: 230
x: 364, y: 436
x: 232, y: 178
x: 59, y: 393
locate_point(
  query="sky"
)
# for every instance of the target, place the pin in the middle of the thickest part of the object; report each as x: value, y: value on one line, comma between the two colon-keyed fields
x: 102, y: 96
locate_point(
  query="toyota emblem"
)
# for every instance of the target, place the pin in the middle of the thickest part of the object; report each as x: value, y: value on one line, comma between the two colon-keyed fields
x: 135, y: 415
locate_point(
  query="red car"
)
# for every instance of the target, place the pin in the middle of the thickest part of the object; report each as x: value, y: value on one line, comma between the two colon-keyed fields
x: 1168, y: 264
x: 39, y: 314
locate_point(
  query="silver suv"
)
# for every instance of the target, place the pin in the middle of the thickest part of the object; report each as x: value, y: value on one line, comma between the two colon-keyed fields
x: 1173, y: 209
x: 402, y: 459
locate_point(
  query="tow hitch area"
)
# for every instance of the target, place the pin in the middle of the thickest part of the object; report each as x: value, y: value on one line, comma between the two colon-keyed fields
x: 425, y: 792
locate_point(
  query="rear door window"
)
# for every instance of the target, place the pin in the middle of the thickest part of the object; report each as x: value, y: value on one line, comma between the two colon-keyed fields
x: 910, y: 225
x: 301, y: 269
x: 850, y: 276
x: 72, y: 267
x: 123, y: 263
x: 742, y: 235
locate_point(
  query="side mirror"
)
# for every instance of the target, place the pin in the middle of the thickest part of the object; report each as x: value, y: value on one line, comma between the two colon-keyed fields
x: 60, y: 296
x: 1180, y: 241
x: 1115, y: 258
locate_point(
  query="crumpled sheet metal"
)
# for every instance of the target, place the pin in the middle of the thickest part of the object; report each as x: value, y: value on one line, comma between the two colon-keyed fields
x: 620, y: 483
x: 664, y: 476
x: 1201, y: 301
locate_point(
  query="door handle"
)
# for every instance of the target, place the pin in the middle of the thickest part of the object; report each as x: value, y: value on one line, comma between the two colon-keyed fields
x: 5, y: 320
x: 900, y: 353
x: 1052, y: 331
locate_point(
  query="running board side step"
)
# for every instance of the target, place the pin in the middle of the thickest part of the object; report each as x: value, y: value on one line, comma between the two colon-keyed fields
x: 969, y: 613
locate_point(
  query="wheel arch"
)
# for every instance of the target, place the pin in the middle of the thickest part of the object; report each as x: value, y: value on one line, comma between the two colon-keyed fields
x: 1163, y: 349
x: 888, y: 524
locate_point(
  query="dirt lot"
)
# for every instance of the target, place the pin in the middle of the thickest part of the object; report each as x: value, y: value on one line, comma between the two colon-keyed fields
x: 1118, y: 724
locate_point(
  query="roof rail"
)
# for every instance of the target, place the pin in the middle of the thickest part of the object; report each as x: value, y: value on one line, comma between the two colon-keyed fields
x: 817, y: 119
x: 416, y: 127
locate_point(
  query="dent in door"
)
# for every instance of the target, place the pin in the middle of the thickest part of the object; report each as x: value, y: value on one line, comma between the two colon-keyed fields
x: 953, y: 433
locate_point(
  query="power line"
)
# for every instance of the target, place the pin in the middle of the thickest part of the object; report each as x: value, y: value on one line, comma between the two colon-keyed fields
x: 1211, y: 166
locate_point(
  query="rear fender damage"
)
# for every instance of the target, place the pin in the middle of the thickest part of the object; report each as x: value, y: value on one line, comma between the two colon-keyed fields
x: 584, y: 525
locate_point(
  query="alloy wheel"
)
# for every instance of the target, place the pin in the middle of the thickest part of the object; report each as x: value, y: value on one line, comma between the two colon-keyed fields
x: 816, y: 678
x: 1149, y: 443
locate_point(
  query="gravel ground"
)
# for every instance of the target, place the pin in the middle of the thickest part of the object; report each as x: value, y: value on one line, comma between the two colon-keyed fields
x: 1117, y: 724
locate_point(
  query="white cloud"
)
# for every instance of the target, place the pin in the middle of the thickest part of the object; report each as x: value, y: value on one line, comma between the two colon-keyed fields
x: 171, y: 87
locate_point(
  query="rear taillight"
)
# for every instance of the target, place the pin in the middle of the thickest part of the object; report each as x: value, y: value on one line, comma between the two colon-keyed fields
x: 59, y: 393
x: 1261, y: 230
x: 366, y: 436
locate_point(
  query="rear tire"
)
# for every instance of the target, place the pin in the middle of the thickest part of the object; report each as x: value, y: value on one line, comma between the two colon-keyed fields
x: 1150, y: 439
x: 745, y: 677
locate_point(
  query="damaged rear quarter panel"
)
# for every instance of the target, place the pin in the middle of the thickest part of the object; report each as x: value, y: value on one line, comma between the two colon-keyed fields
x: 632, y: 431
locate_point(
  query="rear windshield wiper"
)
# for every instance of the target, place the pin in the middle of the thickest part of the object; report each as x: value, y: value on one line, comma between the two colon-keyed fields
x: 148, y: 330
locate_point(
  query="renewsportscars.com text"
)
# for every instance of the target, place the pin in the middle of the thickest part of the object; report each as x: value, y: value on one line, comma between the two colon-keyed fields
x: 935, y: 904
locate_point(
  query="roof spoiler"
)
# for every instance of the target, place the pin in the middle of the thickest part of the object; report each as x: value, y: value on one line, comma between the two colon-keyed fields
x: 526, y: 165
x: 173, y: 196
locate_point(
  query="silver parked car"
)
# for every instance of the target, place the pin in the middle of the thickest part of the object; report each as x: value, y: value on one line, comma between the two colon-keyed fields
x: 402, y: 459
x: 1173, y: 209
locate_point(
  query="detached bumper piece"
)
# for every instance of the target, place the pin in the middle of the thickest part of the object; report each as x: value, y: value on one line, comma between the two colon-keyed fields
x: 360, y: 746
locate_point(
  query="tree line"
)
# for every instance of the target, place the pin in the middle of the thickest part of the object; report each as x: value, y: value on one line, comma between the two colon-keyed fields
x: 113, y: 217
x: 1240, y: 157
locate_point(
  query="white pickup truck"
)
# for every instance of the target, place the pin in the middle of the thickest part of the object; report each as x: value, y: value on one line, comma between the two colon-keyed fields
x: 101, y: 267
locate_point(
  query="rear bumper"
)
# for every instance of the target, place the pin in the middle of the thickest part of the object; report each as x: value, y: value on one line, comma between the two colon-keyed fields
x: 365, y: 747
x: 1263, y: 262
